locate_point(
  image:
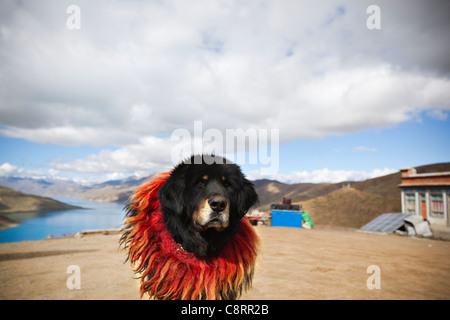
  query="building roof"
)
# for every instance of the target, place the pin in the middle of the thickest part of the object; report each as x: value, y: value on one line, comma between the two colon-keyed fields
x: 410, y: 178
x: 387, y: 222
x: 438, y: 184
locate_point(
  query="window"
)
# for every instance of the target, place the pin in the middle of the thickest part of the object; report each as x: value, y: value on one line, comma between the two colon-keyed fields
x: 410, y: 203
x: 437, y: 206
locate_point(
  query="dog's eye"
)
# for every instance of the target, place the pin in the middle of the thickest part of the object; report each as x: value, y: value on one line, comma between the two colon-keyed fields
x: 226, y: 184
x: 200, y: 183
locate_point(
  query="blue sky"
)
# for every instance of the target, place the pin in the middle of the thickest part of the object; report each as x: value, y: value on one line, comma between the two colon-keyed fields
x: 102, y: 101
x: 37, y: 158
x: 408, y: 144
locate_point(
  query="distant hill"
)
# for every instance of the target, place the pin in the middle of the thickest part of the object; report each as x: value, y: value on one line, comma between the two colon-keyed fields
x: 110, y: 191
x: 274, y: 191
x: 349, y: 207
x: 41, y: 187
x: 14, y: 203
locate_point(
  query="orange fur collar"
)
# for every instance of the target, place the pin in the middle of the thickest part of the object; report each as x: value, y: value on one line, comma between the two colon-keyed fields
x: 169, y: 272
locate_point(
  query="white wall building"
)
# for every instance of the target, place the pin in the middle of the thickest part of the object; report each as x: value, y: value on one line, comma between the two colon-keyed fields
x: 426, y: 195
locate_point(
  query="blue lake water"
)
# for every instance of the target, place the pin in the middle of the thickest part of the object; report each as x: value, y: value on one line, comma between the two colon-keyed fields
x: 97, y: 215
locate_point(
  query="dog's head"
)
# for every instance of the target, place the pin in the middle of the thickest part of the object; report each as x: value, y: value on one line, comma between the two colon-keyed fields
x: 206, y: 193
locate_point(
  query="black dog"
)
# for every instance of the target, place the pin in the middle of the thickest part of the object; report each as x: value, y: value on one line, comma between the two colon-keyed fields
x: 203, y: 203
x: 185, y: 235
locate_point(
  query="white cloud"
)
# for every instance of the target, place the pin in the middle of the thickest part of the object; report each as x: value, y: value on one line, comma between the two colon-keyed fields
x: 364, y: 149
x: 9, y: 170
x: 71, y: 136
x: 144, y: 69
x: 323, y: 175
x: 147, y: 156
x: 438, y: 114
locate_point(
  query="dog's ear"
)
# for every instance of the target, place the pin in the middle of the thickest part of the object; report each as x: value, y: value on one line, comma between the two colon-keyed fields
x: 247, y: 197
x: 171, y: 195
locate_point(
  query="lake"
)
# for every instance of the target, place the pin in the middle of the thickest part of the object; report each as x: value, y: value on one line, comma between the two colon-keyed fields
x: 96, y: 215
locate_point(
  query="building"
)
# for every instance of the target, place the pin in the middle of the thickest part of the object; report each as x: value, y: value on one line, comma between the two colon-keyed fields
x: 426, y: 195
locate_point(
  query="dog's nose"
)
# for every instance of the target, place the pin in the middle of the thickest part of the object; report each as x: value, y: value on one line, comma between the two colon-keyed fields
x: 217, y: 204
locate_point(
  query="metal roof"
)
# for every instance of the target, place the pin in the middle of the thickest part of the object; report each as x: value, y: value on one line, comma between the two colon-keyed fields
x: 387, y: 222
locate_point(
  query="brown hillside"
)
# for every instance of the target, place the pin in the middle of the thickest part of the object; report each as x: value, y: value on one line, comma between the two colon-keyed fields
x: 385, y: 185
x: 274, y: 191
x: 13, y: 202
x: 437, y: 167
x: 316, y: 190
x: 349, y: 207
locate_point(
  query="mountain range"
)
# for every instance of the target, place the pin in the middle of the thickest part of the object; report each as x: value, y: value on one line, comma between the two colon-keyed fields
x: 109, y: 191
x: 346, y: 204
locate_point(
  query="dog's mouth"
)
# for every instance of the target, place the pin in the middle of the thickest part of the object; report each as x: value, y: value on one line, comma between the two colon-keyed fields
x: 206, y: 218
x: 217, y: 224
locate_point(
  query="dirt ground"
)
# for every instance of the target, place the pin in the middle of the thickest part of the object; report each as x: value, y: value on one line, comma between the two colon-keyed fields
x: 294, y: 264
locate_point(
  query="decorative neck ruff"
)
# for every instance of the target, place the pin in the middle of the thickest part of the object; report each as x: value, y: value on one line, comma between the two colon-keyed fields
x: 168, y: 271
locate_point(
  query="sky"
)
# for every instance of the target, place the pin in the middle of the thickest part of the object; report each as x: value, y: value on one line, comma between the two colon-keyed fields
x: 117, y: 88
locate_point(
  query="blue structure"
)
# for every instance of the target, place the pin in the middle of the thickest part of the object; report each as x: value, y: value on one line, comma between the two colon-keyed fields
x: 286, y: 218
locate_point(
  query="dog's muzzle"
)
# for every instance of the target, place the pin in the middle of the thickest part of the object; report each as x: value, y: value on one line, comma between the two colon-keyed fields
x: 213, y: 213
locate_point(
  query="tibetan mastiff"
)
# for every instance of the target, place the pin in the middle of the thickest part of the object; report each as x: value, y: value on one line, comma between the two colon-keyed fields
x: 185, y: 234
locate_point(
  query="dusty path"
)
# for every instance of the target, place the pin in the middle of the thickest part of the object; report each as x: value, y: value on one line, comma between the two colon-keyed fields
x: 294, y: 264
